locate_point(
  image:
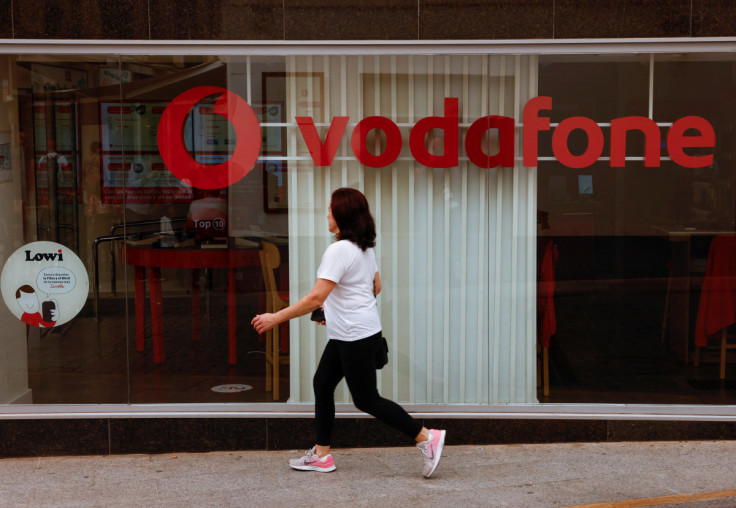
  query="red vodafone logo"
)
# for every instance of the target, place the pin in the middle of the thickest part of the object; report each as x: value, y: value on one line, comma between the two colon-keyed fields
x: 179, y: 161
x: 687, y: 132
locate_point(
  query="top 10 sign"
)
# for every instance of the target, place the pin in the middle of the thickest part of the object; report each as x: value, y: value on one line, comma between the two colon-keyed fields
x: 686, y: 132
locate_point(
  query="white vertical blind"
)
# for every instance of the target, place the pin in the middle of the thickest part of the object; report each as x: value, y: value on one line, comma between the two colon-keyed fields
x: 456, y: 247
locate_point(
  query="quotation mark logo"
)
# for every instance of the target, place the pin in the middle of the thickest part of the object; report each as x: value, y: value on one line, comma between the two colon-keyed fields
x: 180, y: 162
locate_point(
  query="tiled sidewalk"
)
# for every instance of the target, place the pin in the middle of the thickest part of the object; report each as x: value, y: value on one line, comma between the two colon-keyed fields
x: 502, y: 475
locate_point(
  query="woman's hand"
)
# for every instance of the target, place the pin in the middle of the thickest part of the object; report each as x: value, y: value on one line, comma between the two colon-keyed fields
x: 318, y: 316
x: 264, y: 322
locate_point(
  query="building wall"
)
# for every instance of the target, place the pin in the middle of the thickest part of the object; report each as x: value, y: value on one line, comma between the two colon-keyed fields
x: 361, y: 20
x: 344, y: 20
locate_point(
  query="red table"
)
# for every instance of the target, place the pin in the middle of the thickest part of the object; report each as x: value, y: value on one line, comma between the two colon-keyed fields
x: 155, y: 258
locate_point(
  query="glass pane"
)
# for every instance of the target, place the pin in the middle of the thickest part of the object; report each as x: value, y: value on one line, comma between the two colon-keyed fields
x: 203, y: 190
x: 147, y: 278
x: 178, y: 196
x: 446, y: 241
x: 60, y: 346
x: 624, y: 263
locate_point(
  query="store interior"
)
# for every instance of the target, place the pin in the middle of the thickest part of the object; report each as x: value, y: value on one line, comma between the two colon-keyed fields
x: 627, y: 287
x: 108, y: 193
x: 634, y: 242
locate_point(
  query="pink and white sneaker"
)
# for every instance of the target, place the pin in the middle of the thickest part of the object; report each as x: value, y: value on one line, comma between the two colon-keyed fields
x: 432, y: 450
x: 310, y: 462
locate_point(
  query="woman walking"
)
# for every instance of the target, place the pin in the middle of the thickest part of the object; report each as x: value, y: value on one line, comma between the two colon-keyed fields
x: 347, y: 285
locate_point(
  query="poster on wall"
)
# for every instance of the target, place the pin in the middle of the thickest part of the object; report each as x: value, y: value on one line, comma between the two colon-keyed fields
x: 207, y: 133
x: 274, y: 186
x: 110, y: 76
x: 273, y: 136
x: 39, y: 126
x: 307, y: 87
x: 44, y: 284
x: 6, y: 162
x: 130, y: 126
x: 133, y: 126
x: 65, y: 126
x: 309, y: 91
x: 132, y: 168
x: 50, y: 78
x: 140, y: 178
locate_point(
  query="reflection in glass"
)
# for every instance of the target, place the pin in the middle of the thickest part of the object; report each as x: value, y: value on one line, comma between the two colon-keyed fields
x: 175, y: 270
x: 625, y: 258
x: 634, y: 242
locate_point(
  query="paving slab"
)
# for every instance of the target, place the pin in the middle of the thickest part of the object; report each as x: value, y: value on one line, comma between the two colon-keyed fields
x: 545, y: 475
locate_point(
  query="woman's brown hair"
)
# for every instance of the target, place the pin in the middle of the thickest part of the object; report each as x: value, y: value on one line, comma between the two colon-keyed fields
x: 353, y: 217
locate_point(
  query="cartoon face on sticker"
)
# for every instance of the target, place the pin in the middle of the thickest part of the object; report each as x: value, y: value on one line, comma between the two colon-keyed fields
x: 44, y: 284
x: 28, y: 301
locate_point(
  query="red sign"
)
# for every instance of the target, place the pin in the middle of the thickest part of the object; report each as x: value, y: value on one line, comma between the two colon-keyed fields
x: 687, y: 132
x: 677, y: 139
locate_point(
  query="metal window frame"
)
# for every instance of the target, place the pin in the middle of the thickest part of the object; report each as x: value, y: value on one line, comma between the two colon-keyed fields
x: 664, y: 412
x: 285, y: 410
x: 339, y: 47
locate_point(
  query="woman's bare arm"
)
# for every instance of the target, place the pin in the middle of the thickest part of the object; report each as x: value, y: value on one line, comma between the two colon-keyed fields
x: 376, y: 284
x: 312, y: 300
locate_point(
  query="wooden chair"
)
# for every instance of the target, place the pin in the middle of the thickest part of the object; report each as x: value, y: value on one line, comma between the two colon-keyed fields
x: 275, y: 301
x: 725, y: 346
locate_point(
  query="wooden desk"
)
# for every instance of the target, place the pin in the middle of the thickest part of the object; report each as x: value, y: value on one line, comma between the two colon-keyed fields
x: 154, y: 259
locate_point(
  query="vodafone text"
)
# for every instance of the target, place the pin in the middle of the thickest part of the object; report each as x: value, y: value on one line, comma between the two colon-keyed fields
x: 687, y: 132
x: 323, y: 153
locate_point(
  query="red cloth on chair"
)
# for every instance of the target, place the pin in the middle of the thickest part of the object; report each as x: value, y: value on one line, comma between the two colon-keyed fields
x: 546, y: 318
x: 717, y: 307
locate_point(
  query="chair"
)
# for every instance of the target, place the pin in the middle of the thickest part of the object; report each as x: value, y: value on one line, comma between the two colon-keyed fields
x: 275, y: 301
x: 717, y: 306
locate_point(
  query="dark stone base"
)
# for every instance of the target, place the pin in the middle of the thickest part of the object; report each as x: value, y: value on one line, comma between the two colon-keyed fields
x: 28, y: 438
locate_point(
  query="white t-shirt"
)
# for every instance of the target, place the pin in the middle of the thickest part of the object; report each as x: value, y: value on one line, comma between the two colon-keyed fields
x: 350, y: 309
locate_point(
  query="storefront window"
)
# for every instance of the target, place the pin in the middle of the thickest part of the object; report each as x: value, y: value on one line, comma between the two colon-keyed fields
x: 521, y: 262
x: 456, y: 240
x: 173, y: 263
x: 636, y: 288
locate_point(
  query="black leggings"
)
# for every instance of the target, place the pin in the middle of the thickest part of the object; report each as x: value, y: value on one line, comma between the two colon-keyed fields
x: 356, y: 361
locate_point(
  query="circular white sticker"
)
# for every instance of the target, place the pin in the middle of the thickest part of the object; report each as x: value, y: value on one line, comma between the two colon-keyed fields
x: 44, y: 284
x: 231, y: 388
